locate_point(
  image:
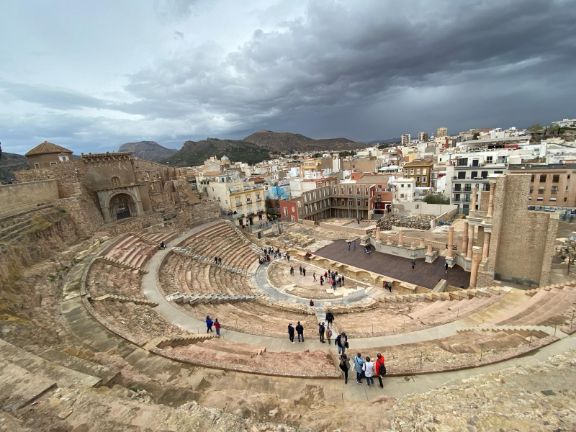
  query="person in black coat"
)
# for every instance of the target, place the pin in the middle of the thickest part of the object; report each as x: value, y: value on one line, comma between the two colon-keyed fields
x: 291, y: 332
x: 300, y: 332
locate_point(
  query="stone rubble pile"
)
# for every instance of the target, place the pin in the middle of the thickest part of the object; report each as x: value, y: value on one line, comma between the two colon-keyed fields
x: 388, y: 221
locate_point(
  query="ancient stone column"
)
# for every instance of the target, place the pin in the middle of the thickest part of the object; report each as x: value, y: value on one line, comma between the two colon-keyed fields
x: 464, y: 245
x: 450, y: 252
x: 470, y: 241
x: 486, y: 246
x: 400, y: 238
x: 476, y: 256
x: 429, y: 249
x: 474, y: 199
x: 422, y: 243
x: 491, y: 200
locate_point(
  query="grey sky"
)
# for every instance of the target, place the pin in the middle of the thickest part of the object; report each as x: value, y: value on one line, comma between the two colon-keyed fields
x: 92, y: 75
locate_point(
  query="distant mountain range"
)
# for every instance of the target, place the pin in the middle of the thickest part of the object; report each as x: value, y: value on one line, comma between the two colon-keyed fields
x: 148, y: 150
x: 10, y: 162
x: 286, y: 142
x: 195, y: 152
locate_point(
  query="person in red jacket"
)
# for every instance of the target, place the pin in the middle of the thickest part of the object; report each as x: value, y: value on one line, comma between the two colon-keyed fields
x: 217, y: 327
x: 380, y: 368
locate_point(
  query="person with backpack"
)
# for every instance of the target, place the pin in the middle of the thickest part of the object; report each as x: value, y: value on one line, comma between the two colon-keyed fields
x: 344, y: 366
x: 341, y: 342
x: 380, y: 368
x: 368, y: 369
x: 358, y: 367
x: 329, y: 335
x: 300, y: 332
x: 291, y: 332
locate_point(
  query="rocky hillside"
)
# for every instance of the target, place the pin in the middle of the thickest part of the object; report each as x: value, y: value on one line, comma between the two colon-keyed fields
x: 10, y: 162
x: 286, y: 142
x: 148, y: 150
x: 196, y: 152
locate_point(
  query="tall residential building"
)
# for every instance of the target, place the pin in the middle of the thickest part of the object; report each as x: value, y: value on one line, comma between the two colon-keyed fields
x: 441, y: 132
x: 550, y: 185
x: 423, y: 136
x: 405, y: 139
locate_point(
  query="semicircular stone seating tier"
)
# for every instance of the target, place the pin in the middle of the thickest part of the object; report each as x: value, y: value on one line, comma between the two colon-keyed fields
x: 420, y: 332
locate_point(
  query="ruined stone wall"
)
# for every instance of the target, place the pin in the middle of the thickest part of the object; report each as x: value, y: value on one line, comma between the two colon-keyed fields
x: 37, y: 235
x: 522, y: 241
x: 69, y: 176
x: 20, y: 195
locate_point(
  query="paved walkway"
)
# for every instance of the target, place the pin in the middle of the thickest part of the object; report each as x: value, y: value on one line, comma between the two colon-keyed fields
x: 426, y: 275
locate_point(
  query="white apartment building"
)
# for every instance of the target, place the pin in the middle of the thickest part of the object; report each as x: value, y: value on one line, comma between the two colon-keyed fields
x: 403, y: 188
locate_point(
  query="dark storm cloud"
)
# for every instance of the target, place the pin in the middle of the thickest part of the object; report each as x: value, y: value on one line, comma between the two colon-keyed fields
x: 363, y: 69
x: 351, y: 54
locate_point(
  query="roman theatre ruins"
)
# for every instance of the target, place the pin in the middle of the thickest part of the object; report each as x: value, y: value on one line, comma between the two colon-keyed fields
x: 100, y: 329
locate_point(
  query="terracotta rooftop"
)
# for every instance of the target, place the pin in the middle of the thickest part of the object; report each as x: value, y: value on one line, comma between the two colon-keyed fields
x: 47, y: 148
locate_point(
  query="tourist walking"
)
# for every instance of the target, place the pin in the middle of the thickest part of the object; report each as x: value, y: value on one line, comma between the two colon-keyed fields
x: 345, y: 366
x: 209, y: 323
x: 291, y: 271
x: 380, y: 368
x: 314, y: 276
x: 321, y: 330
x: 291, y: 332
x: 368, y: 369
x: 329, y: 318
x: 300, y: 332
x: 413, y: 264
x: 359, y: 367
x: 445, y: 267
x: 303, y: 271
x: 300, y: 268
x: 321, y: 280
x: 340, y: 344
x: 217, y: 326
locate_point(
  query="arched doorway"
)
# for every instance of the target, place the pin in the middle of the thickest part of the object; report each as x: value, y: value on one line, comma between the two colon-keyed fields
x: 122, y: 206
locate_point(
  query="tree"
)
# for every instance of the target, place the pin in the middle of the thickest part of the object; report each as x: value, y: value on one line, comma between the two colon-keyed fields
x: 568, y: 250
x: 345, y: 153
x: 536, y: 127
x: 436, y: 199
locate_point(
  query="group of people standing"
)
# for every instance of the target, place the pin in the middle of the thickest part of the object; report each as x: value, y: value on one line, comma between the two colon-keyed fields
x: 332, y: 278
x: 364, y: 368
x: 299, y: 329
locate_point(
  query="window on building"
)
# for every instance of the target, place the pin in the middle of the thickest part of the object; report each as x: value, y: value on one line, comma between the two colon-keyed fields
x: 456, y: 197
x: 401, y: 195
x: 539, y: 199
x: 540, y: 191
x: 475, y: 162
x: 467, y: 187
x: 542, y: 178
x: 424, y: 179
x: 461, y: 175
x: 532, y: 178
x: 487, y: 187
x: 555, y: 178
x: 474, y: 174
x: 552, y: 199
x: 498, y: 172
x: 554, y: 190
x: 462, y: 162
x: 489, y: 159
x: 484, y: 174
x: 37, y: 165
x: 408, y: 185
x: 531, y: 189
x: 115, y: 181
x: 53, y: 164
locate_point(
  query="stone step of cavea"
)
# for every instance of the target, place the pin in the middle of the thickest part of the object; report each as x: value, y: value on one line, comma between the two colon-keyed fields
x: 124, y: 299
x: 120, y: 264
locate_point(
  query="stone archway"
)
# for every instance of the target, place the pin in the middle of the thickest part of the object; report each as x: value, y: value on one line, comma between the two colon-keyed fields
x: 122, y: 206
